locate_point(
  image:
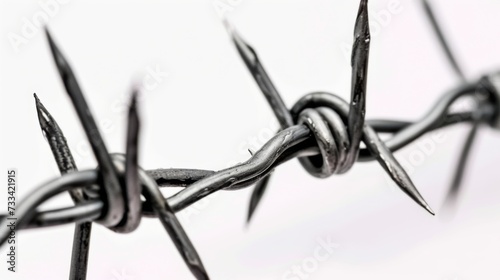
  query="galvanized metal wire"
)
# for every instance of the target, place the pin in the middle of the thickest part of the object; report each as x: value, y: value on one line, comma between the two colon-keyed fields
x: 322, y: 130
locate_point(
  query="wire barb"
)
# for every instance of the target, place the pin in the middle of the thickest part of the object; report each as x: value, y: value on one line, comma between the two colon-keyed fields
x: 66, y: 164
x: 339, y: 148
x: 251, y: 59
x: 359, y: 64
x: 152, y: 193
x: 111, y: 186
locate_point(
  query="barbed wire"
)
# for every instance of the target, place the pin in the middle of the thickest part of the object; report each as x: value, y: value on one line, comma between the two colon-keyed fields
x: 322, y: 130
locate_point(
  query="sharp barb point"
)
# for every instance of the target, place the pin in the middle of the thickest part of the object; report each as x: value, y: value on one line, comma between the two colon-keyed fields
x: 391, y: 165
x: 407, y: 186
x: 412, y: 191
x: 44, y: 117
x: 246, y: 52
x: 428, y: 208
x: 53, y: 46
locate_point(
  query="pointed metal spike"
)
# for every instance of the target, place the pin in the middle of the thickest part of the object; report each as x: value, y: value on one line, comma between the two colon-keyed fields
x: 132, y: 182
x: 265, y: 84
x: 359, y: 63
x: 65, y: 163
x: 392, y: 167
x: 257, y: 194
x: 133, y: 126
x: 247, y: 53
x: 44, y: 118
x: 109, y: 175
x: 267, y: 87
x: 153, y: 195
x: 173, y: 227
x: 61, y: 63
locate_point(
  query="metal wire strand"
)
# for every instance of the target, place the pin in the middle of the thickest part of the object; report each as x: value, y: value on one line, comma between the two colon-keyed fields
x: 132, y: 184
x: 111, y: 188
x: 66, y: 164
x: 26, y: 208
x: 88, y: 210
x: 303, y: 145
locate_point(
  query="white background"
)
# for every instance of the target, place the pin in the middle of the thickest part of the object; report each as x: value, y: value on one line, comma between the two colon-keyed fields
x: 207, y: 111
